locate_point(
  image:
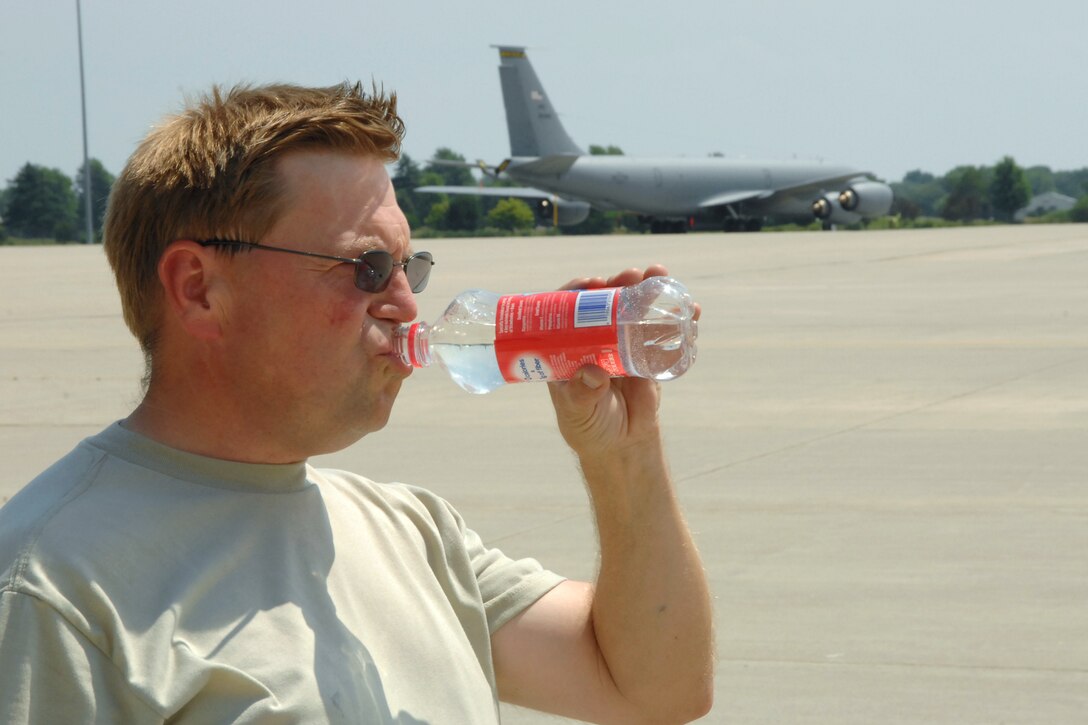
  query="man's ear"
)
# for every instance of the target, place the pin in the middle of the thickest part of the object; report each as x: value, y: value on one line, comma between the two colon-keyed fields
x: 192, y: 281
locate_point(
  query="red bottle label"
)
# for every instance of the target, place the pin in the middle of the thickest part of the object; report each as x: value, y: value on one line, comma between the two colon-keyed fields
x: 549, y: 336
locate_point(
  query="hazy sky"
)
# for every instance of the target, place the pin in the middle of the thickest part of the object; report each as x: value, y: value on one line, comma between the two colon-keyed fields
x: 884, y: 85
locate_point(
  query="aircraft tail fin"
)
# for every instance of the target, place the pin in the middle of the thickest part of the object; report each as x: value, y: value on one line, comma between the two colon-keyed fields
x: 534, y: 126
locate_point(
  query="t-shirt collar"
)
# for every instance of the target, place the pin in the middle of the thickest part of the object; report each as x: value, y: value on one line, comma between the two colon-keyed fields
x: 257, y: 477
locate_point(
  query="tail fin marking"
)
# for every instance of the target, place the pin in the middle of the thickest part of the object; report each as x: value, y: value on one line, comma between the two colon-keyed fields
x: 534, y: 127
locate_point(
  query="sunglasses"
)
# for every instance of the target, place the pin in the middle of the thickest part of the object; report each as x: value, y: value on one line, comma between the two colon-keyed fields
x: 373, y: 270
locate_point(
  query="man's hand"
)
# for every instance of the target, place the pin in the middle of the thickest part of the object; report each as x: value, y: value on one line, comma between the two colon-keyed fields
x: 636, y: 646
x: 598, y: 415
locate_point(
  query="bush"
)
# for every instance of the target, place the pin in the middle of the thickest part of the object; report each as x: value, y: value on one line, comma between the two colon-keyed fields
x: 511, y: 215
x: 1079, y: 212
x: 887, y: 222
x: 66, y: 231
x: 1055, y: 216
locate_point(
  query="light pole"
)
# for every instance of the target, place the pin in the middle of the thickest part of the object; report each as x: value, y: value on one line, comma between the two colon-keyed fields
x: 86, y: 160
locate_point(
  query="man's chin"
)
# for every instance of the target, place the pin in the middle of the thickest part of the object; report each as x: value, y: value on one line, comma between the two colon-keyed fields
x: 379, y: 409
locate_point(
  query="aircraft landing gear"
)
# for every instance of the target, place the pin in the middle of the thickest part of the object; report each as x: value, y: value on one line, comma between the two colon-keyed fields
x: 742, y: 224
x: 667, y: 226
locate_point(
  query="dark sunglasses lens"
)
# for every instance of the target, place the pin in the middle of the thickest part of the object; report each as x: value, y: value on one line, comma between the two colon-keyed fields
x: 418, y: 270
x: 372, y: 274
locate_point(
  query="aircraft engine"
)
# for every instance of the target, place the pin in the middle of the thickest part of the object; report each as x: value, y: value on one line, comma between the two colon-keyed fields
x: 828, y: 210
x: 567, y: 212
x: 868, y: 198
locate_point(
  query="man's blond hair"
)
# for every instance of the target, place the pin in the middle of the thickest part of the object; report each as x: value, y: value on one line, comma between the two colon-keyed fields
x: 210, y: 172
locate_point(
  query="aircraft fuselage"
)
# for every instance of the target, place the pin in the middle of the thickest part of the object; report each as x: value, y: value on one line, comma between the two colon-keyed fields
x: 670, y: 187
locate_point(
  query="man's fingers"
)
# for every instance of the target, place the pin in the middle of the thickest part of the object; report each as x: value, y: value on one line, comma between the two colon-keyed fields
x: 626, y: 278
x: 584, y: 283
x: 584, y: 388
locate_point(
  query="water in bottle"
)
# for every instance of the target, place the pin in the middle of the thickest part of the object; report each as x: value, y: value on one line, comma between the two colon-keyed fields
x: 484, y: 340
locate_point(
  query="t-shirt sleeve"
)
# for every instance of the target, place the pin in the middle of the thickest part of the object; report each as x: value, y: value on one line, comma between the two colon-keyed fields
x: 51, y: 673
x: 507, y: 586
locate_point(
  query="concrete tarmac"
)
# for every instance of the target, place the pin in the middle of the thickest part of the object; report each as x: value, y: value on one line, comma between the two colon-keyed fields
x: 882, y: 450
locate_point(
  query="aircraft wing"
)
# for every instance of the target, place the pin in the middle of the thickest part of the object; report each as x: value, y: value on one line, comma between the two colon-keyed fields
x: 547, y: 205
x: 506, y: 192
x: 820, y: 185
x: 735, y: 197
x: 813, y: 187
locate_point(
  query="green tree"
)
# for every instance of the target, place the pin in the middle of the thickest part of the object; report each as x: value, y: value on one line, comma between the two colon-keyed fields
x: 918, y: 177
x: 406, y: 201
x: 4, y: 194
x: 511, y: 214
x: 966, y: 198
x: 1009, y: 189
x: 455, y: 214
x: 463, y: 214
x: 423, y: 203
x: 406, y: 177
x: 903, y: 206
x: 101, y: 183
x: 918, y: 194
x: 452, y: 173
x: 1079, y: 212
x: 610, y: 150
x: 1041, y: 179
x: 406, y: 173
x: 436, y: 217
x: 41, y: 203
x: 1072, y: 183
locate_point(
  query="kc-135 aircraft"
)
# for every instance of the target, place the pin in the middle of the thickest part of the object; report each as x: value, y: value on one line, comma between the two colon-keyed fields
x: 670, y: 194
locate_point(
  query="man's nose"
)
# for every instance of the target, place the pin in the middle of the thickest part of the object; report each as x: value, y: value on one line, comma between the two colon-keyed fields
x: 396, y: 302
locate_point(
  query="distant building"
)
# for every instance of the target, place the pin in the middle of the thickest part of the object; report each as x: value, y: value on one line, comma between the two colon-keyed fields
x: 1045, y: 203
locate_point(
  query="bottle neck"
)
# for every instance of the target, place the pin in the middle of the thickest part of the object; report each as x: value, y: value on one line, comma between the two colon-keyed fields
x: 412, y: 344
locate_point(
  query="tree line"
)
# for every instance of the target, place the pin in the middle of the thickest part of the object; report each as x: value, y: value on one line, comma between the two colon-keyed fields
x: 47, y: 205
x: 976, y: 193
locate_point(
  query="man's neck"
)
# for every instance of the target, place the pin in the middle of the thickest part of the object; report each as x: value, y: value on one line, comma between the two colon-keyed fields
x: 189, y: 423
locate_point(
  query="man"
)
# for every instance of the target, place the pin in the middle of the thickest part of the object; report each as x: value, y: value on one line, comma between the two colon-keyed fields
x: 187, y: 565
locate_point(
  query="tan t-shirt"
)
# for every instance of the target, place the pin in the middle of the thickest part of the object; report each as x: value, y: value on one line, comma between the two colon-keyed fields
x: 141, y: 584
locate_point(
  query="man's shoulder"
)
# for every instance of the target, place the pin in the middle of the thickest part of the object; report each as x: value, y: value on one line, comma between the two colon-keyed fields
x: 38, y: 526
x: 60, y: 483
x: 394, y: 494
x: 30, y: 509
x: 72, y: 517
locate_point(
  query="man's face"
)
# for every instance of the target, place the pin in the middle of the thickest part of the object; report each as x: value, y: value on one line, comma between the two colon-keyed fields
x: 312, y: 351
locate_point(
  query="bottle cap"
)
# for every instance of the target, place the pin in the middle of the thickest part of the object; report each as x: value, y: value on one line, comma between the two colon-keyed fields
x: 413, y: 353
x: 410, y: 343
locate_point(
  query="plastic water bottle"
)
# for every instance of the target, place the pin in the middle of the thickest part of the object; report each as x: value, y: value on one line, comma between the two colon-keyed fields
x: 484, y: 340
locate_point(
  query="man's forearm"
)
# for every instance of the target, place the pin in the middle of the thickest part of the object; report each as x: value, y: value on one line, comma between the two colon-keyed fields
x: 652, y: 613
